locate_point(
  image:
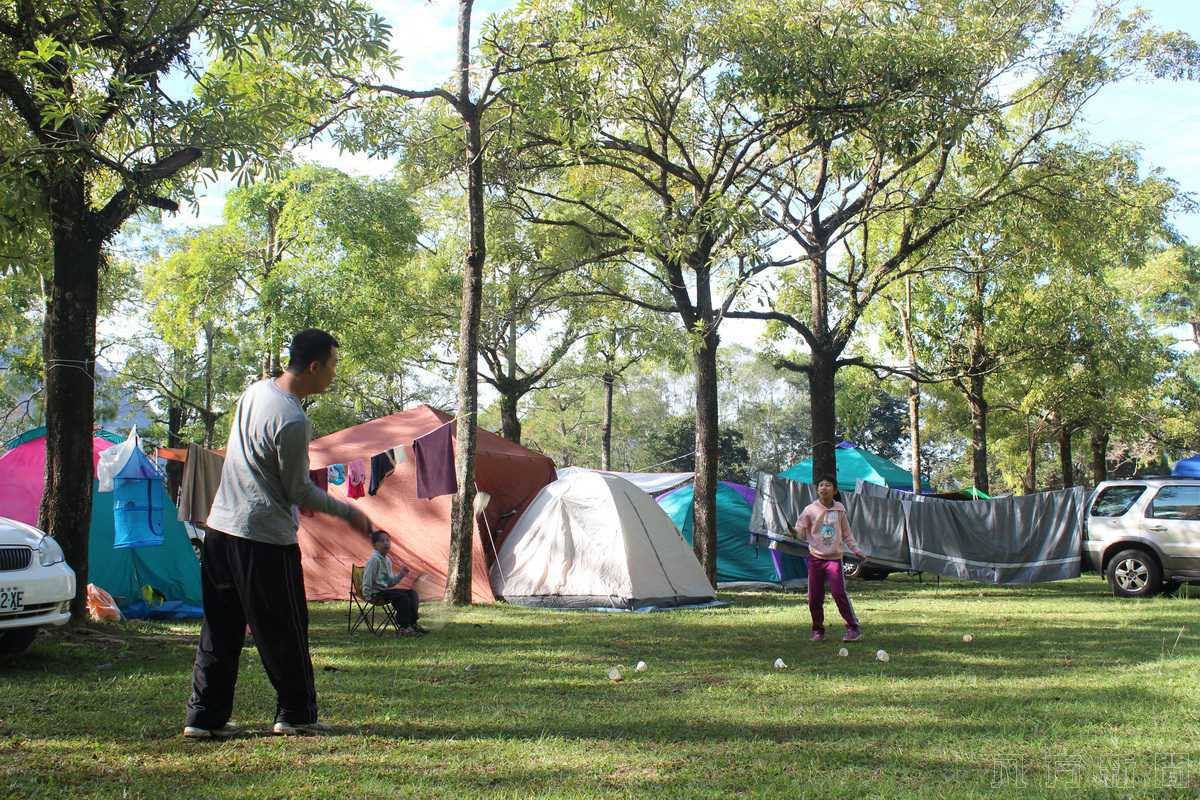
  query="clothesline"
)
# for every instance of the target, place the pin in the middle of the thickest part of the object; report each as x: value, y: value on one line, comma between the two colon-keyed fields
x: 668, y: 461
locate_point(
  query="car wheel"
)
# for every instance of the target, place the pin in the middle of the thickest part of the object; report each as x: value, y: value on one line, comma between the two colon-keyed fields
x: 851, y: 569
x: 874, y: 573
x: 1134, y: 573
x: 17, y: 641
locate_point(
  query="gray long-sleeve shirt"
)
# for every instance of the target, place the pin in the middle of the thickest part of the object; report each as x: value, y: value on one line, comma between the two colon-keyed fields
x: 378, y: 575
x: 265, y: 476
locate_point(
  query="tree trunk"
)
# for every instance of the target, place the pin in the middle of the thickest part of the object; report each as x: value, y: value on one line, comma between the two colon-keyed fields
x: 704, y: 502
x: 174, y: 468
x: 606, y: 429
x: 914, y: 433
x: 462, y: 522
x: 1029, y: 482
x: 1099, y: 454
x: 979, y: 414
x: 210, y: 428
x: 823, y: 405
x: 69, y: 351
x: 271, y: 256
x: 1065, y: 458
x: 914, y: 390
x: 510, y: 422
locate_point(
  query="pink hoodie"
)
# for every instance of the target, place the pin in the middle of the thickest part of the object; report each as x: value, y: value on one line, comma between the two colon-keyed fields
x: 826, y: 529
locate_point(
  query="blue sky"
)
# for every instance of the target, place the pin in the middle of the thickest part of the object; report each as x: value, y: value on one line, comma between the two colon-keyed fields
x: 1161, y: 117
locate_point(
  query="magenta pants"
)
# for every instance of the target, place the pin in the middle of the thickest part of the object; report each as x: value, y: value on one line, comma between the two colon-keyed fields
x: 820, y: 572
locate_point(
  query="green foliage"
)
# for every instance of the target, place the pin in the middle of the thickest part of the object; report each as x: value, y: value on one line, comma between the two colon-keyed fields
x: 140, y: 95
x: 316, y: 248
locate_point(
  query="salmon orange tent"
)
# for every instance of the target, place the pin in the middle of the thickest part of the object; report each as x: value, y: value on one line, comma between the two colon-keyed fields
x: 420, y: 529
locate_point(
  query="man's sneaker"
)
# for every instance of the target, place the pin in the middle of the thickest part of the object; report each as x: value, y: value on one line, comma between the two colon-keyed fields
x: 224, y: 732
x: 817, y: 636
x: 852, y: 636
x: 301, y: 729
x: 419, y: 628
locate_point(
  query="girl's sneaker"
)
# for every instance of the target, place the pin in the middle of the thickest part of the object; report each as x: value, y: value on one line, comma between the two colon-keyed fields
x: 817, y: 636
x: 852, y: 635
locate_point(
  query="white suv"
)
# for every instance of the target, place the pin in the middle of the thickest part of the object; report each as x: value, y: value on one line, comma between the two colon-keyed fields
x: 36, y: 585
x: 1144, y: 534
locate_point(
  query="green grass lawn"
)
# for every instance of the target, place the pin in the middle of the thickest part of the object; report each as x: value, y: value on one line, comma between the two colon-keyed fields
x: 1065, y: 691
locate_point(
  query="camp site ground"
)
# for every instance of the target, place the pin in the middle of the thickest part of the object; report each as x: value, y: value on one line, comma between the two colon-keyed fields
x: 1065, y: 691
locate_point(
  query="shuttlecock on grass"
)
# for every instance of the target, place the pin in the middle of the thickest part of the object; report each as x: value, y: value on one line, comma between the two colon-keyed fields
x: 968, y: 638
x: 779, y: 664
x: 843, y: 652
x: 881, y: 655
x: 641, y: 666
x: 614, y: 674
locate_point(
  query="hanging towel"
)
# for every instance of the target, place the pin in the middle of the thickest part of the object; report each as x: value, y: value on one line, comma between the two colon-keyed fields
x: 433, y: 454
x: 337, y: 474
x: 381, y: 466
x: 113, y: 460
x: 356, y: 477
x: 201, y: 477
x: 320, y: 479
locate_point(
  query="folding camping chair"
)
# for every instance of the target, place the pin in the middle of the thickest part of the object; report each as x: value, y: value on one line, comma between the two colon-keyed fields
x: 367, y: 608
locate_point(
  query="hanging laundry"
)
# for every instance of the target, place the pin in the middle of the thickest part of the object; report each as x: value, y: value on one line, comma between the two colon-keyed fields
x: 113, y: 460
x: 381, y: 466
x: 356, y: 477
x: 138, y: 501
x: 337, y: 474
x: 320, y: 479
x: 201, y: 477
x: 433, y: 455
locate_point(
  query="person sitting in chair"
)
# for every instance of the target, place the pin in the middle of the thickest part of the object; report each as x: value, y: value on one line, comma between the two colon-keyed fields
x: 378, y: 580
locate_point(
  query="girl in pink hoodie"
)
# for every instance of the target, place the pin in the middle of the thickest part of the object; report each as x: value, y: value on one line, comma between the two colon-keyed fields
x: 825, y: 526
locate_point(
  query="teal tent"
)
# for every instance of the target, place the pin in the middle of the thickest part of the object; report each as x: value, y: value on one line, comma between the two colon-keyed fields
x: 170, y: 568
x: 855, y: 464
x: 738, y: 561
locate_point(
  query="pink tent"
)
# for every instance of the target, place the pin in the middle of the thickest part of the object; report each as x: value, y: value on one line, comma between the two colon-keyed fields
x: 23, y: 476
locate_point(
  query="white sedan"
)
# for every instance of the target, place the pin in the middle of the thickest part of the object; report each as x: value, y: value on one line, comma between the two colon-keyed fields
x: 36, y: 585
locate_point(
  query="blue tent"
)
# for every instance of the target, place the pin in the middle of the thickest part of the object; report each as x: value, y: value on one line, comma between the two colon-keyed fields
x: 1187, y: 467
x: 853, y: 464
x: 738, y: 561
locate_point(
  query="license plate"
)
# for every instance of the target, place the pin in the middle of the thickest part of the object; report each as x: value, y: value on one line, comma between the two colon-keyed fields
x: 12, y: 598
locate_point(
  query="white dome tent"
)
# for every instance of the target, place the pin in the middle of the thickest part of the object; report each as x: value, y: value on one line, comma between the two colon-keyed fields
x: 594, y: 540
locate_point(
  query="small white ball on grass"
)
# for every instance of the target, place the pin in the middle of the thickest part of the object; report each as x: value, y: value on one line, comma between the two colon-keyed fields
x: 641, y: 666
x: 843, y: 652
x: 968, y: 638
x: 779, y: 664
x: 881, y: 655
x: 614, y: 674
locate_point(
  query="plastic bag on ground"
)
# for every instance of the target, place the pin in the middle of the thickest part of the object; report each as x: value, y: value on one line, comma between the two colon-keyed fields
x: 101, y: 606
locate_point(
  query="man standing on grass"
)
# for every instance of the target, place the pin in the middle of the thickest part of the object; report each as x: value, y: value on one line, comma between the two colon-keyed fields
x: 251, y: 567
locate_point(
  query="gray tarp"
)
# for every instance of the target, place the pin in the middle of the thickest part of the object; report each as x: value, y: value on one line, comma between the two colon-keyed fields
x: 880, y: 527
x: 1028, y: 539
x: 777, y: 505
x: 877, y: 524
x: 1010, y: 540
